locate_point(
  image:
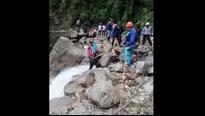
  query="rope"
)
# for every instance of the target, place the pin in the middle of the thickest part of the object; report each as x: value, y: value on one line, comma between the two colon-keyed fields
x: 122, y: 81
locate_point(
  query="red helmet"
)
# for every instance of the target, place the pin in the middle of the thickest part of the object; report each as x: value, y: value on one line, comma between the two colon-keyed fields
x: 129, y: 24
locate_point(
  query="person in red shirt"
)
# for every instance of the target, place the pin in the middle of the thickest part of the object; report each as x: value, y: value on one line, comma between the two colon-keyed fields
x: 92, y: 58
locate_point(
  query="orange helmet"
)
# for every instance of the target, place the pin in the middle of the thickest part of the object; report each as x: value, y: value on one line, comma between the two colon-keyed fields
x: 129, y: 24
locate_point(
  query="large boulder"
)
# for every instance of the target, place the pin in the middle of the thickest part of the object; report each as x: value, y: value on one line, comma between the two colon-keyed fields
x: 118, y: 67
x: 60, y: 106
x: 71, y: 88
x: 65, y: 54
x: 104, y: 94
x: 106, y: 59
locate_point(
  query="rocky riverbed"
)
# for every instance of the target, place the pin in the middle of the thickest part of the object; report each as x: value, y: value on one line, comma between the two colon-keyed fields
x: 99, y: 91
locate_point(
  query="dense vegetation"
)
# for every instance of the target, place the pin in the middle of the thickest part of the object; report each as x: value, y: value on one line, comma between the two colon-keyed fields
x: 64, y: 13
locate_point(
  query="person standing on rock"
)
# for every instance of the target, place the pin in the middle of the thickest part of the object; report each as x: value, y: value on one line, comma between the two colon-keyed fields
x: 103, y: 30
x: 92, y: 52
x: 139, y: 30
x: 121, y: 30
x: 147, y: 33
x: 115, y: 34
x: 109, y: 29
x: 100, y: 30
x: 129, y: 43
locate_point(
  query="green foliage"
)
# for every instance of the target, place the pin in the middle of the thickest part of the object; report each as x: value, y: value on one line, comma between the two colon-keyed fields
x: 64, y: 13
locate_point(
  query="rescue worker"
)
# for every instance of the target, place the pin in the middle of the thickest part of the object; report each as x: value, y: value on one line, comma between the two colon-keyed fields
x: 139, y: 30
x: 147, y: 33
x: 109, y: 29
x: 100, y: 30
x: 129, y: 43
x: 115, y: 34
x: 92, y: 52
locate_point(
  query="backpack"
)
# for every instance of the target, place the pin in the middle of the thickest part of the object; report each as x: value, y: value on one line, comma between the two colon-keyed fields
x: 90, y: 53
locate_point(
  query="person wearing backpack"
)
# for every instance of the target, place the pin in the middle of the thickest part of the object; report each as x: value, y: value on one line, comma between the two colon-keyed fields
x: 92, y: 53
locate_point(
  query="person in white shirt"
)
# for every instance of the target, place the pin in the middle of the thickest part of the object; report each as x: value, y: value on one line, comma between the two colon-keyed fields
x: 104, y: 30
x: 100, y: 30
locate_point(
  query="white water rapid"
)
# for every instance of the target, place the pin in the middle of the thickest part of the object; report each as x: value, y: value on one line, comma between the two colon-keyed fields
x: 57, y: 85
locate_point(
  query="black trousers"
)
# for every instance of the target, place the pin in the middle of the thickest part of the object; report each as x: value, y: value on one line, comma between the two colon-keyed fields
x: 118, y: 39
x: 94, y: 62
x: 147, y: 37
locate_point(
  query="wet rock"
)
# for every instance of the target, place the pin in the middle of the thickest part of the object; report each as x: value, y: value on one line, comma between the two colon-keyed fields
x: 104, y: 95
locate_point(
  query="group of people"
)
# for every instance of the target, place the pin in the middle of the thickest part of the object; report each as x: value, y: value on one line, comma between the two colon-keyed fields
x: 115, y: 30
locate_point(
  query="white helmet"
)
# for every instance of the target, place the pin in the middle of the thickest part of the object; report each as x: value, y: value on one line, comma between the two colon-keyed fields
x: 147, y: 23
x: 94, y: 30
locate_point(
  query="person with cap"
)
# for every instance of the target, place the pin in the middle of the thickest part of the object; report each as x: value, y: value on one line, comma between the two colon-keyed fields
x: 115, y: 34
x: 109, y: 29
x: 129, y: 43
x: 92, y: 53
x: 147, y: 33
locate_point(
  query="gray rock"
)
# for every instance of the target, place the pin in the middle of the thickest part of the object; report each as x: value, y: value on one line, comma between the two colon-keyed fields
x: 104, y: 94
x: 65, y: 54
x: 116, y: 67
x: 71, y: 88
x: 150, y: 71
x: 82, y: 40
x: 106, y: 59
x: 140, y: 67
x: 85, y: 61
x: 79, y: 111
x: 60, y: 106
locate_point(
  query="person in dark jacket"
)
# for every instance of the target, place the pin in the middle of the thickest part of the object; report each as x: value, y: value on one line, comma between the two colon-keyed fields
x: 121, y: 30
x: 115, y: 34
x: 129, y: 43
x: 139, y: 30
x: 109, y: 29
x: 92, y: 53
x: 147, y: 33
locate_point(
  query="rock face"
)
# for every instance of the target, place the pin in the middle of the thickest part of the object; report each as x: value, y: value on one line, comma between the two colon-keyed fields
x: 104, y: 94
x: 59, y: 106
x: 65, y: 54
